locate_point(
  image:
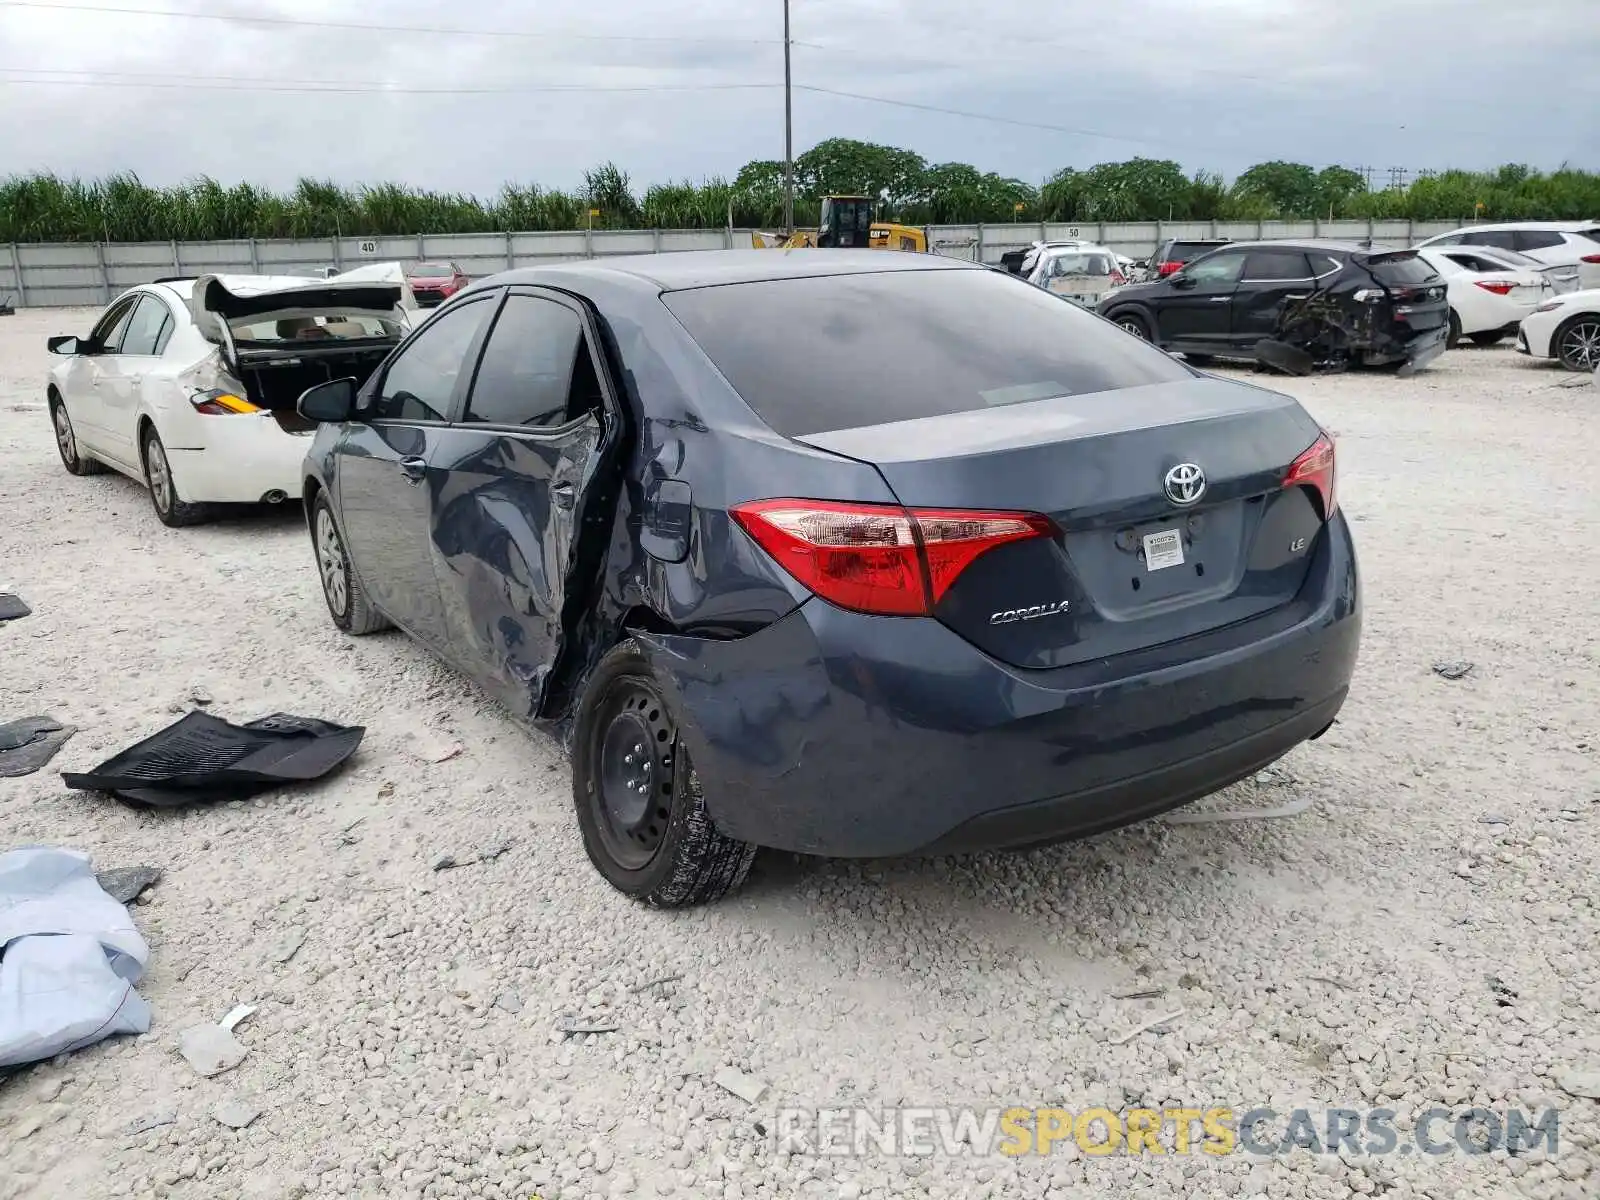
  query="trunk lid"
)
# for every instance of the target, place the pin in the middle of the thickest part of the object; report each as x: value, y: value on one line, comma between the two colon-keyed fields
x: 1130, y: 567
x: 219, y: 301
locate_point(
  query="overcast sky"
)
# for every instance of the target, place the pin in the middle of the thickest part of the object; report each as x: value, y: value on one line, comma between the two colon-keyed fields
x: 1219, y: 84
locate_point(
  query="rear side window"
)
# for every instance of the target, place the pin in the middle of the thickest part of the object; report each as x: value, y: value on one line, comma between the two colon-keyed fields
x: 844, y: 351
x: 1503, y: 238
x: 147, y: 331
x: 1588, y: 235
x: 1265, y: 266
x: 1406, y: 271
x: 1538, y: 239
x: 526, y: 373
x: 1189, y: 251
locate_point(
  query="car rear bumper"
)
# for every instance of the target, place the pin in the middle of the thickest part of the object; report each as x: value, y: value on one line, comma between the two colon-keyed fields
x: 247, y: 458
x: 841, y: 734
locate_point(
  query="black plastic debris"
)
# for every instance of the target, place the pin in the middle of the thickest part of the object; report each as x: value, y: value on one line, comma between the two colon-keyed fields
x: 28, y: 744
x: 12, y: 606
x: 204, y: 758
x: 125, y: 884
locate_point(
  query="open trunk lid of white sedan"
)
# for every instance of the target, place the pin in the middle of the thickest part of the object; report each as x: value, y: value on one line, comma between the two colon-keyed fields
x: 280, y: 335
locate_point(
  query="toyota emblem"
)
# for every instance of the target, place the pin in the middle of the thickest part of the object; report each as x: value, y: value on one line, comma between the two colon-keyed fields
x: 1185, y: 484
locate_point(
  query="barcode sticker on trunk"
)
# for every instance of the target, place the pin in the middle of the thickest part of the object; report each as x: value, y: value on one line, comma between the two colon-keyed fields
x: 1163, y: 549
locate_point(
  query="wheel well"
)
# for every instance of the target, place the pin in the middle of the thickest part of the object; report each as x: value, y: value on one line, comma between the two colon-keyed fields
x: 52, y: 395
x: 309, y: 492
x: 141, y: 433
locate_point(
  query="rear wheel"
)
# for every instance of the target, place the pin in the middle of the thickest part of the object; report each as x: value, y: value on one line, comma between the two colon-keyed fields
x: 1132, y: 322
x: 169, y: 506
x: 1577, y: 343
x: 1489, y: 337
x: 347, y: 599
x: 73, y: 459
x: 640, y: 805
x: 1454, y: 336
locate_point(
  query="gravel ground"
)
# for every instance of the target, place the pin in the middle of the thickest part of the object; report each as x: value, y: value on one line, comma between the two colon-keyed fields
x: 411, y: 1047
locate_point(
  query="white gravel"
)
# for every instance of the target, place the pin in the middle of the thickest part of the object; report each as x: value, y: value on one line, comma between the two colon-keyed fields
x: 409, y: 1046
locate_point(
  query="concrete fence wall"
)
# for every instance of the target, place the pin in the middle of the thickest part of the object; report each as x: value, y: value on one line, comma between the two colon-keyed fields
x: 91, y: 273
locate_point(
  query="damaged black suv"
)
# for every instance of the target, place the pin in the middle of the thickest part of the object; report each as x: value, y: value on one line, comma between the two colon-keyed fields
x: 1296, y: 306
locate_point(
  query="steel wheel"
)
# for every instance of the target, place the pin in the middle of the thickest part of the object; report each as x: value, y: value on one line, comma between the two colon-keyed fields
x: 160, y: 476
x: 331, y: 564
x: 634, y: 771
x: 1578, y: 344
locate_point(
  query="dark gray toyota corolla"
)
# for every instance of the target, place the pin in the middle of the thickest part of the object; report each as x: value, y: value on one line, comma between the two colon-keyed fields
x: 846, y: 553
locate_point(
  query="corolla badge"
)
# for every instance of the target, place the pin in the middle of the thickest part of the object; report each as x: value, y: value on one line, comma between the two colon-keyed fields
x: 1185, y: 484
x: 1030, y: 614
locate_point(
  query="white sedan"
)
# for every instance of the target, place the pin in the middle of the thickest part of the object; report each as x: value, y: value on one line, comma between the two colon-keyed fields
x: 1487, y: 299
x: 1567, y: 329
x: 189, y: 385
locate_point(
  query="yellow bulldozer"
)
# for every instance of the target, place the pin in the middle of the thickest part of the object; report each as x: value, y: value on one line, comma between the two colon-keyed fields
x: 846, y: 222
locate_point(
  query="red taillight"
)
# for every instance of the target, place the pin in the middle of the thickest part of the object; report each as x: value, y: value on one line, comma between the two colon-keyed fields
x: 880, y: 558
x: 1590, y: 258
x: 1169, y: 268
x: 1499, y: 287
x: 1314, y: 469
x: 1118, y: 278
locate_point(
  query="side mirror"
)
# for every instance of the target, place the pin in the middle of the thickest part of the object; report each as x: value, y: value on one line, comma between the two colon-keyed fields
x: 66, y: 344
x: 1181, y: 281
x: 329, y: 403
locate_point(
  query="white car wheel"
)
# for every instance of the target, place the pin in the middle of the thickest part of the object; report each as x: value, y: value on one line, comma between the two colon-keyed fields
x: 170, y: 507
x: 1577, y: 344
x: 330, y: 563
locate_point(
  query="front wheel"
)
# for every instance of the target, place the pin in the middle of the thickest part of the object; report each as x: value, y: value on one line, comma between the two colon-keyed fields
x: 1454, y: 335
x: 639, y: 801
x: 73, y: 459
x: 1577, y: 343
x: 170, y: 507
x: 348, y: 604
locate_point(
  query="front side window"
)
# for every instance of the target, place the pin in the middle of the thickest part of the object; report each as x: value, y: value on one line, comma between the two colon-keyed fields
x: 1216, y: 268
x: 419, y: 384
x: 526, y: 374
x: 107, y: 335
x: 146, y: 332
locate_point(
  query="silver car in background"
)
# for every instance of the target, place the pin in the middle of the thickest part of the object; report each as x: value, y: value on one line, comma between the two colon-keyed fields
x: 1082, y: 273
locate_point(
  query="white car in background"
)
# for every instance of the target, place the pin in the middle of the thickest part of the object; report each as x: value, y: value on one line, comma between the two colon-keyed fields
x: 189, y: 385
x: 1083, y: 272
x: 1567, y: 329
x: 1561, y: 279
x: 1573, y: 244
x: 1487, y: 301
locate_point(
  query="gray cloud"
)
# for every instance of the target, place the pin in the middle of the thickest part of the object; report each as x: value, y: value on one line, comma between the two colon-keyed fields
x: 1218, y: 84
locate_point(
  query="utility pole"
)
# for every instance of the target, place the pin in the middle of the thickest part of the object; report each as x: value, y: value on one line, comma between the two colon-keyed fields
x: 788, y: 130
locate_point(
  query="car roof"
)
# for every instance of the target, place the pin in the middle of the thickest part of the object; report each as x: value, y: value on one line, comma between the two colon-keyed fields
x: 1343, y: 247
x: 1552, y: 226
x: 679, y: 270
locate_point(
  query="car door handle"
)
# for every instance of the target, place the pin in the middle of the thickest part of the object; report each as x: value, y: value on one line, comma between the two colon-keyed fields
x: 1221, y: 299
x: 414, y: 468
x: 563, y: 495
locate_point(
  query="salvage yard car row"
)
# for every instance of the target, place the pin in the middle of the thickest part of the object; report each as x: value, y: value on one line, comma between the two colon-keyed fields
x: 654, y: 504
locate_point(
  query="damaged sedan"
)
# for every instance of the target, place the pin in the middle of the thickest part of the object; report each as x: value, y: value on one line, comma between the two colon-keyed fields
x: 189, y: 385
x: 776, y: 588
x: 1296, y: 306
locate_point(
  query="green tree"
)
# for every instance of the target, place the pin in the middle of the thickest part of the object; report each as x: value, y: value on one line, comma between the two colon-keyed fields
x: 1288, y: 188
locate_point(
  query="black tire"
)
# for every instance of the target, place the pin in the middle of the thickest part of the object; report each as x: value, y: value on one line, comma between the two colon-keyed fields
x: 662, y: 848
x: 1576, y: 344
x: 1488, y: 337
x: 73, y: 459
x: 1133, y: 323
x: 347, y: 600
x: 1198, y: 360
x: 173, y: 510
x: 1454, y: 336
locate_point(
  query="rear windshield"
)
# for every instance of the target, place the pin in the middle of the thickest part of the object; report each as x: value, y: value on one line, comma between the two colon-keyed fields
x: 1403, y: 271
x: 1184, y: 251
x: 306, y: 328
x: 843, y: 351
x: 432, y: 270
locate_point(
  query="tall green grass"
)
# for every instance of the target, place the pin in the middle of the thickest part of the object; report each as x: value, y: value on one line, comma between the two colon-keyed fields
x: 121, y: 208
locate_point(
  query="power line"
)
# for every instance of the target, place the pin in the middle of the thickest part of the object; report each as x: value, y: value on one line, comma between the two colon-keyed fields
x: 369, y: 27
x: 345, y: 88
